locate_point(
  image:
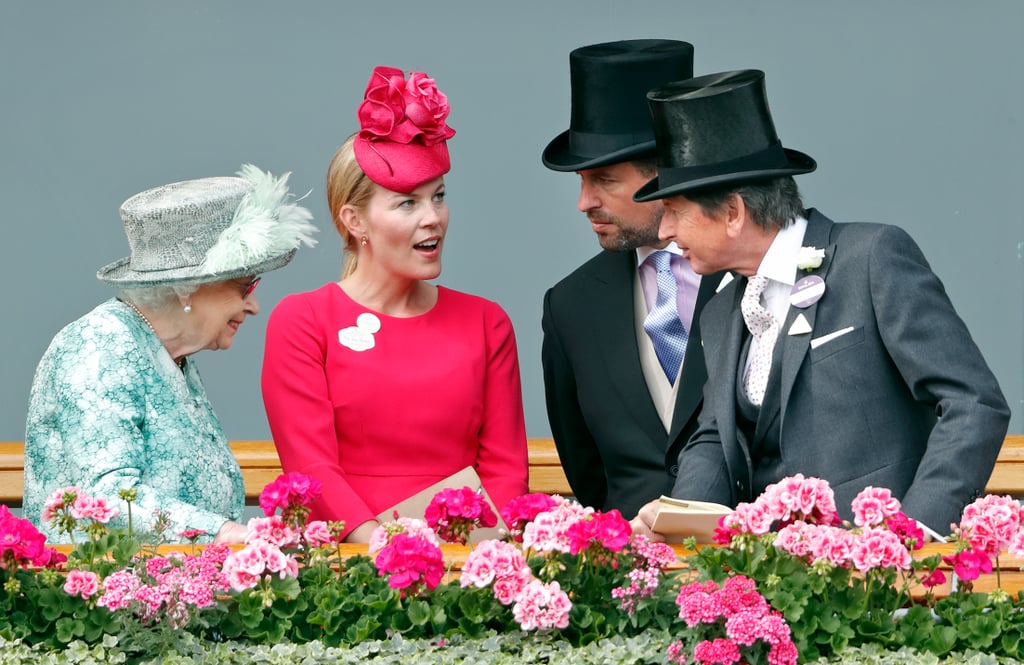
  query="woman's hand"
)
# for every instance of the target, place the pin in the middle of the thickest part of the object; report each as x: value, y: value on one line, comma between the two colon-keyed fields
x: 362, y: 533
x: 231, y: 533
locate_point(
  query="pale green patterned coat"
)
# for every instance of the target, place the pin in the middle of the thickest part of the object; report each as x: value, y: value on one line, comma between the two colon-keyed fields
x: 111, y: 410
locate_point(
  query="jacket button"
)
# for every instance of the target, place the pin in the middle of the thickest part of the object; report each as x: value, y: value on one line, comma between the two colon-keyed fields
x: 740, y: 487
x: 674, y: 469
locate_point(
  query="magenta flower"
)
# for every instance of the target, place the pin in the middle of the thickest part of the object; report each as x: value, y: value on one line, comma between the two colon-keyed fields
x: 21, y: 544
x: 411, y: 562
x: 290, y: 491
x: 969, y: 564
x: 719, y: 650
x: 524, y: 509
x: 745, y: 617
x: 453, y: 513
x: 603, y: 532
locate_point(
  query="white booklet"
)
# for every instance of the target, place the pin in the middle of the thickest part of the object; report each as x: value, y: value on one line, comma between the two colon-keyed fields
x: 678, y: 519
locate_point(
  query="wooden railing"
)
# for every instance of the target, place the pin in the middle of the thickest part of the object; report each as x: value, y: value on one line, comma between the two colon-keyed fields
x: 260, y: 466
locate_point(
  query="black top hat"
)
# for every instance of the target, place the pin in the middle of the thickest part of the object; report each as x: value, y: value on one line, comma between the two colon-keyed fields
x: 610, y: 121
x: 715, y: 130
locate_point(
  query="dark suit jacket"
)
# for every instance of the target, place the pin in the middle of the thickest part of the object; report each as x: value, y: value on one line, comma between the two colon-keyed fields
x: 611, y: 442
x: 904, y: 401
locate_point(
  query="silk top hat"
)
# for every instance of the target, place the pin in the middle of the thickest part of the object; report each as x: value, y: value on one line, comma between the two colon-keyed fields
x: 403, y: 130
x: 716, y: 130
x: 210, y: 230
x: 609, y: 121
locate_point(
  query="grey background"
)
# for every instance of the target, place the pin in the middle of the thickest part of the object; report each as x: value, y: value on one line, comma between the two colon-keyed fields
x: 912, y: 109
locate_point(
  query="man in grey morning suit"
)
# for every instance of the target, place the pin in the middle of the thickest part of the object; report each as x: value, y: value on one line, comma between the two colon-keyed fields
x: 620, y: 408
x: 871, y: 376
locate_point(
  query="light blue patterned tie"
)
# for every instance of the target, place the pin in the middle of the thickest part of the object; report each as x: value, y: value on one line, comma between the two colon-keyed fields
x: 662, y: 324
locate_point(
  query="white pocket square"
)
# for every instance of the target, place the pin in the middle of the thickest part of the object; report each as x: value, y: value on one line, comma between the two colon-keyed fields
x: 824, y: 339
x: 800, y: 326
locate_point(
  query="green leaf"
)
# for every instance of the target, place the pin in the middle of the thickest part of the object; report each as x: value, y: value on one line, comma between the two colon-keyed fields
x: 418, y: 612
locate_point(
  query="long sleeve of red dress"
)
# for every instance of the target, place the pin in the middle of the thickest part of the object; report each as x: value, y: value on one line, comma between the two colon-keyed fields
x: 378, y: 408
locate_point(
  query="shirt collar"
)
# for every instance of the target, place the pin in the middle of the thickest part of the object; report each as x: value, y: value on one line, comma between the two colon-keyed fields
x: 779, y: 262
x: 643, y: 252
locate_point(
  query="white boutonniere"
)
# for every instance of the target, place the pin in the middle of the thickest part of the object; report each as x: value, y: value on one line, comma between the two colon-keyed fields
x: 809, y: 258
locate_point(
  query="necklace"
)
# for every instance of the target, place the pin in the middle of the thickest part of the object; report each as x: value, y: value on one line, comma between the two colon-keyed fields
x: 180, y: 363
x: 141, y: 315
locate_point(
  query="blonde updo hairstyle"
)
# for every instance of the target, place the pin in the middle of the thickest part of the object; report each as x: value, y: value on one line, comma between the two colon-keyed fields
x: 347, y: 184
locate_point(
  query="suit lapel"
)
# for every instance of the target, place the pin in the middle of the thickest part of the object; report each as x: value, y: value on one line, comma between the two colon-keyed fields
x: 722, y: 356
x: 691, y: 386
x: 795, y: 347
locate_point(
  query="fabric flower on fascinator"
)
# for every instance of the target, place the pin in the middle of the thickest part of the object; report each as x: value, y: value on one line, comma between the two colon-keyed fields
x: 403, y: 130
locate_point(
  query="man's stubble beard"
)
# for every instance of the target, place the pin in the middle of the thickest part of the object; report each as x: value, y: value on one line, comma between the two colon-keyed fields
x: 628, y: 238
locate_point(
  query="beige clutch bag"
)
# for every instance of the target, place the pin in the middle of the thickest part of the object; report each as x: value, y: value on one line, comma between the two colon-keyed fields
x: 416, y: 505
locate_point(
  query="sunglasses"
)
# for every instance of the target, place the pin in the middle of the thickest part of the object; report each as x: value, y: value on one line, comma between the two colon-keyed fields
x: 250, y: 287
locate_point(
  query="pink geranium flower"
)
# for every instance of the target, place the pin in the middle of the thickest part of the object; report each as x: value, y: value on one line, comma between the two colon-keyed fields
x: 873, y: 505
x: 411, y: 562
x: 600, y: 532
x: 454, y: 512
x: 292, y: 493
x: 94, y: 508
x: 541, y: 606
x: 969, y: 564
x: 21, y: 543
x: 989, y: 524
x: 524, y: 509
x: 84, y: 583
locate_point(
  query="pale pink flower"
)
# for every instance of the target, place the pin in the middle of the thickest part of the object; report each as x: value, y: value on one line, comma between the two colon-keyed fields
x: 508, y: 587
x: 990, y: 522
x: 92, y: 507
x: 548, y: 530
x: 317, y: 534
x: 1015, y: 547
x: 271, y: 530
x: 796, y: 497
x: 56, y: 501
x: 794, y: 539
x: 879, y: 548
x: 84, y: 583
x: 832, y: 544
x: 541, y: 606
x: 491, y: 560
x: 873, y: 506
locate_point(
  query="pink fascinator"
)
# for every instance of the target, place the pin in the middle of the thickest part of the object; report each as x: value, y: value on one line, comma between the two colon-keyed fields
x: 402, y: 130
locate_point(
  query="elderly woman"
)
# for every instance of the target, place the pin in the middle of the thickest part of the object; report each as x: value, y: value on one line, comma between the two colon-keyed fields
x: 117, y: 402
x: 383, y: 384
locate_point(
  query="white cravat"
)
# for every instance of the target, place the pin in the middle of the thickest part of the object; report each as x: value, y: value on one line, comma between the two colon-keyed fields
x: 764, y: 328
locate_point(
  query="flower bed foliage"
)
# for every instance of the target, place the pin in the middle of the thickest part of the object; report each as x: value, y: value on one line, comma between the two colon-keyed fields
x: 568, y: 584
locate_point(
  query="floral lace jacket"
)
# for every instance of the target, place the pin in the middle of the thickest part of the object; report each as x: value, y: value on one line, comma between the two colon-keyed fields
x: 110, y: 410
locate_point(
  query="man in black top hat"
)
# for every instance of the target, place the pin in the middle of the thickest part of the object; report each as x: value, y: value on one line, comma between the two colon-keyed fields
x: 836, y: 352
x: 622, y: 376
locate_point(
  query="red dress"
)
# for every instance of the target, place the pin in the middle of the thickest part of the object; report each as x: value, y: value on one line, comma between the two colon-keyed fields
x: 378, y: 407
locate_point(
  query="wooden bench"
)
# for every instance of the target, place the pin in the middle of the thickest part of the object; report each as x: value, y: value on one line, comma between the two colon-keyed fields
x: 260, y: 466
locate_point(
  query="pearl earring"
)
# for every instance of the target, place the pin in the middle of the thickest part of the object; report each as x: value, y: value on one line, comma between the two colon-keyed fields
x: 364, y: 241
x: 188, y: 308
